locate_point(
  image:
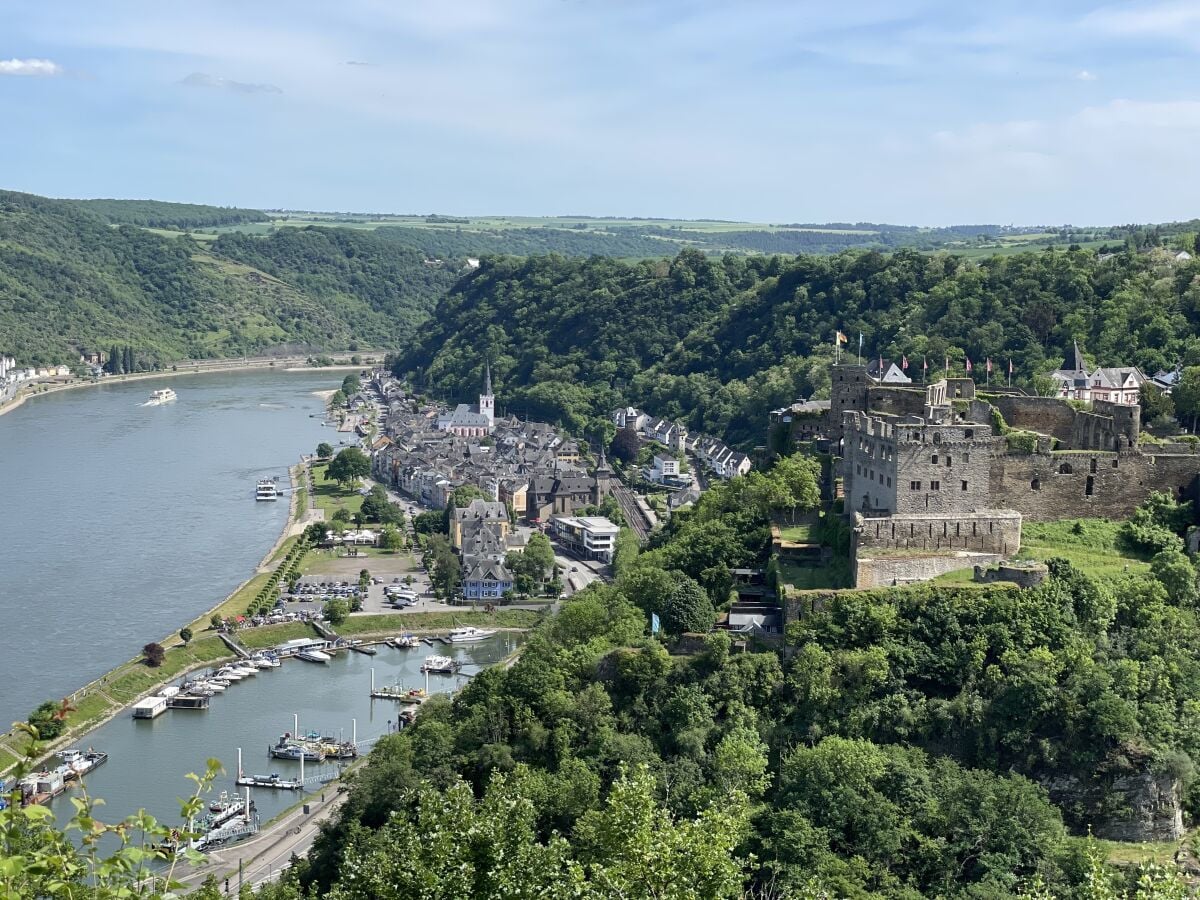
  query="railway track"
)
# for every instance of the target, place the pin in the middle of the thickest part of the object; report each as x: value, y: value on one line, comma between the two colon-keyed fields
x: 632, y: 512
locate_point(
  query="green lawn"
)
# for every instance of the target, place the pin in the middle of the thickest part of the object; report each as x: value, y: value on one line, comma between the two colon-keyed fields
x: 330, y: 496
x: 836, y: 575
x: 1088, y: 544
x: 804, y: 533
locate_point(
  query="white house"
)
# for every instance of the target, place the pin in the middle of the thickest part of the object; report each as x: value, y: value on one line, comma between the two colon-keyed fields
x: 629, y: 417
x: 664, y: 467
x: 1117, y: 385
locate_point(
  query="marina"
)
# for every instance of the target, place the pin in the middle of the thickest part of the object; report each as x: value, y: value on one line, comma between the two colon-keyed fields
x: 148, y: 759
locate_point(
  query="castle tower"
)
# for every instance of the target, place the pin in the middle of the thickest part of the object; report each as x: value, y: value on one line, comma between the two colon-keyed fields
x: 487, y: 402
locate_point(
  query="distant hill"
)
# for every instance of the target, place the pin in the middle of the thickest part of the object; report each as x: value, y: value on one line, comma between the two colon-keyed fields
x: 158, y: 214
x: 71, y: 281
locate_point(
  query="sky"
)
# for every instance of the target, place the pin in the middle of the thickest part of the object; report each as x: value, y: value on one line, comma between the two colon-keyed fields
x: 793, y: 111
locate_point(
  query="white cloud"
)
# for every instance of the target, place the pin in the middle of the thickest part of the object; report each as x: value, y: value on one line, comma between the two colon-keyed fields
x: 43, y: 67
x: 202, y: 79
x: 1085, y: 75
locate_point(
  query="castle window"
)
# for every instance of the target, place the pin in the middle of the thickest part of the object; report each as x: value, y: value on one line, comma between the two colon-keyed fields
x: 914, y: 485
x: 1065, y: 469
x: 1093, y: 465
x: 935, y: 485
x: 1114, y: 462
x: 889, y: 481
x: 1035, y: 485
x: 934, y: 459
x: 966, y: 457
x: 964, y: 485
x: 937, y: 438
x: 1087, y: 491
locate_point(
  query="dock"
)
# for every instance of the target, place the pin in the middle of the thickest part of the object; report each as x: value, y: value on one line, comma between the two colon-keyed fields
x: 269, y: 781
x: 399, y: 694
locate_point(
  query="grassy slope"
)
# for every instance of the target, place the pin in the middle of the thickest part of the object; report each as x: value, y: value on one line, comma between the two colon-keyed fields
x: 1095, y: 549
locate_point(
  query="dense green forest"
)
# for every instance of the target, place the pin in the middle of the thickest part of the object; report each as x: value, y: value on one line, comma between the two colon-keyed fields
x: 158, y: 214
x: 70, y: 281
x: 718, y: 342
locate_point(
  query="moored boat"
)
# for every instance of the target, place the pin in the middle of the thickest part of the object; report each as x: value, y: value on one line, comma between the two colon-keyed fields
x: 441, y: 665
x: 266, y: 489
x: 288, y: 747
x: 469, y: 634
x: 315, y: 656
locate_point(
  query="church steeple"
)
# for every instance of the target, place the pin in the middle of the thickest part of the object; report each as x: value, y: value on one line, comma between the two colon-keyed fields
x: 487, y: 402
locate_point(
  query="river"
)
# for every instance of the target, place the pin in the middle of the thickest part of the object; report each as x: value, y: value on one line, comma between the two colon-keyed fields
x: 121, y: 522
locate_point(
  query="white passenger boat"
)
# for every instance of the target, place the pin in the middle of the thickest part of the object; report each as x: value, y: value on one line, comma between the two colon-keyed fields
x: 266, y: 490
x: 469, y: 634
x: 161, y: 396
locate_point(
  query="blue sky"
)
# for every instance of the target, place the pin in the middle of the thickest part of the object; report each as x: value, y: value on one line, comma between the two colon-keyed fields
x: 909, y: 112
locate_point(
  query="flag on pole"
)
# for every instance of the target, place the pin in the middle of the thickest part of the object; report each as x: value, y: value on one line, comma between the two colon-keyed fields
x: 968, y: 365
x: 924, y: 364
x: 655, y: 624
x: 841, y: 339
x: 904, y: 363
x: 947, y: 364
x: 1010, y: 368
x: 989, y: 365
x: 880, y: 365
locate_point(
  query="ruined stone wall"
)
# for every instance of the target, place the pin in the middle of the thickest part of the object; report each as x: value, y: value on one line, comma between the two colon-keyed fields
x: 1028, y: 575
x: 1126, y: 419
x: 1045, y: 487
x: 989, y: 531
x: 1046, y: 415
x: 888, y: 571
x: 947, y: 473
x: 896, y: 400
x: 869, y: 463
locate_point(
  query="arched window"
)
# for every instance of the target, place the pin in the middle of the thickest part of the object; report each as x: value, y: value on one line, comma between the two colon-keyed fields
x: 1035, y: 485
x: 1065, y: 469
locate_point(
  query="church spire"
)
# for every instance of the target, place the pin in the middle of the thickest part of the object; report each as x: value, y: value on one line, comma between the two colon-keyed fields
x: 487, y: 377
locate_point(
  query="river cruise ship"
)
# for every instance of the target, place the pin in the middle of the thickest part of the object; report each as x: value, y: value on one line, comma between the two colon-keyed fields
x: 161, y: 396
x: 266, y: 490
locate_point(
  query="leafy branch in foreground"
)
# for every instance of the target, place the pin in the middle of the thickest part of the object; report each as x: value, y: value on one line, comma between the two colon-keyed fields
x: 39, y: 859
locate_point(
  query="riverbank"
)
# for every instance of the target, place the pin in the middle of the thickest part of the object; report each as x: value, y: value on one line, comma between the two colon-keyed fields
x: 284, y: 364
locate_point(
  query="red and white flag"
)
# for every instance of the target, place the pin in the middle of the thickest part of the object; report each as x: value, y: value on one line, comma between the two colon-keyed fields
x: 968, y: 365
x: 1010, y: 368
x: 924, y: 364
x: 904, y: 363
x: 989, y: 365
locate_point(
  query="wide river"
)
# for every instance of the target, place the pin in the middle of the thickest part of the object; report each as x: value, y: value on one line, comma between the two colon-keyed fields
x: 121, y: 522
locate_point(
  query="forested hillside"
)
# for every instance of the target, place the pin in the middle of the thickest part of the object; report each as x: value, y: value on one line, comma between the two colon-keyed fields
x: 720, y: 341
x: 71, y: 281
x: 158, y: 214
x: 901, y: 749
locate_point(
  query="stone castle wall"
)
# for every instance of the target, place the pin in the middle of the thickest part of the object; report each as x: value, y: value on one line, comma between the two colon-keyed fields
x: 949, y: 477
x: 1045, y: 487
x: 988, y: 531
x: 1047, y: 415
x: 889, y: 571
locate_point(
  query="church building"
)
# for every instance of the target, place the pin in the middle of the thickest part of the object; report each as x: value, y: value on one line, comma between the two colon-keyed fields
x: 473, y: 421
